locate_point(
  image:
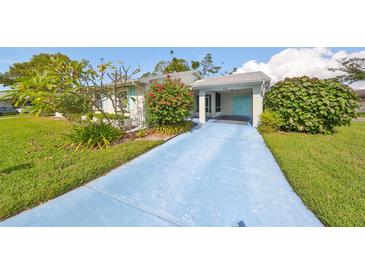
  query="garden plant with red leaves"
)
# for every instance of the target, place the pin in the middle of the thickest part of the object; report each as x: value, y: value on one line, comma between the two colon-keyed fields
x: 168, y: 103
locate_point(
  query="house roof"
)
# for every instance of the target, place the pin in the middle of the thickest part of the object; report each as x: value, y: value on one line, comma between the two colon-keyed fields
x: 237, y: 78
x: 173, y: 74
x: 361, y: 92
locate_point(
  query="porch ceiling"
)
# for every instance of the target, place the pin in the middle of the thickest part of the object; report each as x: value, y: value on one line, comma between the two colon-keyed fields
x: 228, y: 87
x: 226, y: 90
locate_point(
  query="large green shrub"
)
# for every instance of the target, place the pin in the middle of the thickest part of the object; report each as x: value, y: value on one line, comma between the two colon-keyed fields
x: 312, y: 105
x: 168, y: 103
x: 270, y: 121
x: 93, y: 135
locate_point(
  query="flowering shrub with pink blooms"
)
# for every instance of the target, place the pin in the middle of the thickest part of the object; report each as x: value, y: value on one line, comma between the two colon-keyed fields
x: 168, y: 103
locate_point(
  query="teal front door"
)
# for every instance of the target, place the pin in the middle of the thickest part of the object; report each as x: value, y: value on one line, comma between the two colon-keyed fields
x: 241, y: 105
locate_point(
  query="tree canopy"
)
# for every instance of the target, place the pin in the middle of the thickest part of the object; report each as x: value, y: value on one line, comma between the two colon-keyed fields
x: 205, y: 66
x: 36, y: 65
x: 74, y: 88
x: 353, y: 70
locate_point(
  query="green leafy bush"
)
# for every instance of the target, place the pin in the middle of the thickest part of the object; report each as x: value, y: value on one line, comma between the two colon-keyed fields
x: 93, y: 135
x: 168, y: 103
x: 174, y: 129
x: 312, y: 105
x: 270, y: 121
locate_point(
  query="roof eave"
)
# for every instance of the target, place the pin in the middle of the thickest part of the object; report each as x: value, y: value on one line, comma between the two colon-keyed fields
x: 229, y: 84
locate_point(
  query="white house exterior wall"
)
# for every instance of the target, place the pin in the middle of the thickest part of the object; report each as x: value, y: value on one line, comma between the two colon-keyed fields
x: 137, y: 112
x: 136, y: 115
x: 362, y: 105
x: 257, y: 105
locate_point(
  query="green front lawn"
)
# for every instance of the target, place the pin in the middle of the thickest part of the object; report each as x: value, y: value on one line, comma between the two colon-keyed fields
x: 327, y: 171
x: 361, y: 114
x: 35, y: 168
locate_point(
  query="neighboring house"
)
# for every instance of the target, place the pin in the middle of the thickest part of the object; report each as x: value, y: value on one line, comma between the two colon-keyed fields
x: 237, y: 96
x: 361, y: 93
x: 4, y: 102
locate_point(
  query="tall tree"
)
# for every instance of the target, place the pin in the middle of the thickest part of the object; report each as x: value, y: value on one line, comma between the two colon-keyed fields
x: 206, y: 66
x: 37, y: 64
x: 353, y: 70
x: 174, y: 65
x: 169, y: 66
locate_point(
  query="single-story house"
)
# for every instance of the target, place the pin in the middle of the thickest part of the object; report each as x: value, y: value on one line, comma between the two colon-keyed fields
x: 361, y: 93
x: 237, y: 96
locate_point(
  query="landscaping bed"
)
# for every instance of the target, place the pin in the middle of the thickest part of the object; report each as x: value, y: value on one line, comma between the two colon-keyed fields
x: 35, y: 166
x: 326, y: 171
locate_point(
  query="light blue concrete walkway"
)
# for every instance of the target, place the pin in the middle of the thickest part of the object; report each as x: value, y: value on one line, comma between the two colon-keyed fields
x: 218, y: 175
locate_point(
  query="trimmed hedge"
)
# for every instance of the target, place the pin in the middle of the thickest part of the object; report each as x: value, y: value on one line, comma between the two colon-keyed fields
x: 312, y: 105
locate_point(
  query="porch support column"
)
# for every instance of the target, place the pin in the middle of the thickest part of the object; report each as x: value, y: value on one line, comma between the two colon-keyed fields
x: 257, y: 102
x: 202, y: 107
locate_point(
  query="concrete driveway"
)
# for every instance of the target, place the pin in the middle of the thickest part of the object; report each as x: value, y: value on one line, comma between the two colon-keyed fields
x: 219, y: 175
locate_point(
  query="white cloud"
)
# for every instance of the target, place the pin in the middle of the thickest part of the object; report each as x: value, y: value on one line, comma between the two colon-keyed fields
x: 293, y: 62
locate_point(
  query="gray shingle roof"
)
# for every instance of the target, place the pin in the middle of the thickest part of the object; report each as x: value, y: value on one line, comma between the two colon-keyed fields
x: 173, y: 74
x: 238, y: 78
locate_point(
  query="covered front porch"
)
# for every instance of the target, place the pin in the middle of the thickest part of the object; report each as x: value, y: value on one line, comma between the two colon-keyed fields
x: 237, y: 97
x: 239, y: 103
x: 232, y: 105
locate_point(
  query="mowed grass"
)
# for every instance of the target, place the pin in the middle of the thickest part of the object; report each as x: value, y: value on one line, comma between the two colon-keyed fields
x: 34, y: 167
x: 327, y: 171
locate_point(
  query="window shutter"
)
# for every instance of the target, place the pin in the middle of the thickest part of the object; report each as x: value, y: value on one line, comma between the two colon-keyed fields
x: 131, y: 94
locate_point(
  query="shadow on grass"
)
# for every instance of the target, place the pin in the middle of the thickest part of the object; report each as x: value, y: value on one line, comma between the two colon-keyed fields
x: 8, y: 170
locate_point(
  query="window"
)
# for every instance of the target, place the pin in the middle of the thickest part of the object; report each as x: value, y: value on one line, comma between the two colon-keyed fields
x: 217, y: 102
x: 208, y: 103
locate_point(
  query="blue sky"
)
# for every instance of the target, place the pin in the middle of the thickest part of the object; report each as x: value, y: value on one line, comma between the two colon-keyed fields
x: 286, y: 62
x: 228, y: 58
x: 146, y: 58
